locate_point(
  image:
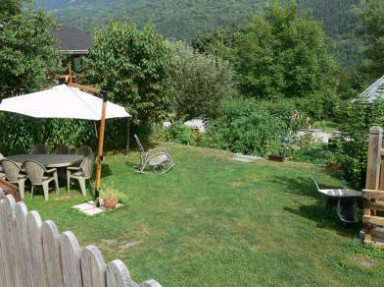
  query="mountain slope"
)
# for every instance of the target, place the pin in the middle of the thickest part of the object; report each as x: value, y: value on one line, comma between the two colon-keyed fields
x: 181, y: 19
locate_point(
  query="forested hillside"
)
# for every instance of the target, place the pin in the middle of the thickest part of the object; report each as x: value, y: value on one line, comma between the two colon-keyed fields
x: 181, y: 19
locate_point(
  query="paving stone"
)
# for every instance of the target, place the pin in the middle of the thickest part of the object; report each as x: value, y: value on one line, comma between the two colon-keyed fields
x: 88, y: 209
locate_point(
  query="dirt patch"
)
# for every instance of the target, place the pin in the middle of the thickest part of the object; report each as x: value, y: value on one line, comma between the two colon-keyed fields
x: 109, y: 242
x: 126, y: 245
x: 364, y: 261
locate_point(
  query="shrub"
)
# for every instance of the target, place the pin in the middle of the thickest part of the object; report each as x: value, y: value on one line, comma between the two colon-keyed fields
x: 178, y: 132
x: 245, y: 126
x: 20, y: 133
x: 201, y: 81
x: 351, y: 152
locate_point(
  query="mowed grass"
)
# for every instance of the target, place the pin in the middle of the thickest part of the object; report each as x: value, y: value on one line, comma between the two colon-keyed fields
x: 213, y: 221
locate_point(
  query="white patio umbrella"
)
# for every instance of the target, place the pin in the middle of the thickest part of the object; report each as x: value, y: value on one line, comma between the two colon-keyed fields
x: 68, y: 102
x: 62, y: 102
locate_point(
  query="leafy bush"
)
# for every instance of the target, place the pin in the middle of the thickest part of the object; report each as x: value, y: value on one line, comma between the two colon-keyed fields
x: 201, y: 81
x: 134, y: 66
x: 19, y: 133
x: 351, y: 153
x: 245, y: 126
x: 178, y: 132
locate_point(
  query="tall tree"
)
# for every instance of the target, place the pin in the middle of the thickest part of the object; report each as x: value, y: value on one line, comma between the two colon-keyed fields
x: 372, y: 17
x: 283, y: 52
x: 29, y: 58
x: 134, y: 66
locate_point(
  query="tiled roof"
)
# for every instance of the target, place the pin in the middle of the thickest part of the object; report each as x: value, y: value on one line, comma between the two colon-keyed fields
x: 374, y: 91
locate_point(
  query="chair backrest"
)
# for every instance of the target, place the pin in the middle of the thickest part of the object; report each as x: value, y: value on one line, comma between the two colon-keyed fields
x: 141, y: 148
x: 87, y: 165
x: 39, y: 149
x: 1, y: 157
x: 11, y: 169
x: 84, y: 150
x: 61, y: 150
x: 35, y: 171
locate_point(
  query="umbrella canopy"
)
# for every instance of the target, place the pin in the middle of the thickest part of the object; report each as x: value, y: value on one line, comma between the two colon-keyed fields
x: 62, y: 102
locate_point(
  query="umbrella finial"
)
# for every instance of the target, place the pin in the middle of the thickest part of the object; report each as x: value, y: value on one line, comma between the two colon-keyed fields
x: 104, y: 94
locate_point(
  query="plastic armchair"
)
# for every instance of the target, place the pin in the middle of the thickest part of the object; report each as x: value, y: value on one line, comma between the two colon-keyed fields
x: 14, y: 174
x: 81, y: 173
x: 84, y: 150
x: 61, y: 150
x: 157, y: 159
x: 39, y: 149
x: 40, y: 176
x: 2, y: 174
x: 344, y: 200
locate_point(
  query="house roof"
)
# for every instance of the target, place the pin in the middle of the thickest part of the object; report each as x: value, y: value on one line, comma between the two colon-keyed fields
x: 73, y: 41
x: 374, y: 91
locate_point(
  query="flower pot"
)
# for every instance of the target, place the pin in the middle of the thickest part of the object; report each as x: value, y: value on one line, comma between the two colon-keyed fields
x: 275, y: 157
x: 110, y: 204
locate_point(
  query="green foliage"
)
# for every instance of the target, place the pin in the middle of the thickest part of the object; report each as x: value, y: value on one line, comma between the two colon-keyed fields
x: 180, y: 133
x: 283, y: 52
x: 244, y: 126
x: 351, y: 153
x: 183, y: 19
x: 20, y: 133
x: 372, y: 17
x: 174, y: 19
x: 339, y: 22
x: 201, y: 81
x: 29, y: 58
x: 133, y: 66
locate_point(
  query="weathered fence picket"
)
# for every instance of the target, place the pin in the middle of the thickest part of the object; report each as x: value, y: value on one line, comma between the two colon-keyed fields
x: 373, y: 193
x: 34, y: 253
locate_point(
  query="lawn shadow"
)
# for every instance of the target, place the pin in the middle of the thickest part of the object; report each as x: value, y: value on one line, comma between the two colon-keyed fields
x: 304, y: 186
x: 331, y: 222
x: 301, y: 185
x: 105, y: 171
x: 132, y: 164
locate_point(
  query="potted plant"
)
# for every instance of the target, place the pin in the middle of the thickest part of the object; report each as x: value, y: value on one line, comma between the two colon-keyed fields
x: 110, y: 197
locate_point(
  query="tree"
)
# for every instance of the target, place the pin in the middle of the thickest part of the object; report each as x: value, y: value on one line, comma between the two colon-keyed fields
x: 201, y: 81
x: 133, y: 66
x: 372, y: 17
x: 29, y: 59
x: 284, y: 53
x: 281, y: 52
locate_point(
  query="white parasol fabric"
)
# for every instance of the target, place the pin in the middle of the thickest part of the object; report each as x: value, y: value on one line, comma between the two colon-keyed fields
x: 61, y: 102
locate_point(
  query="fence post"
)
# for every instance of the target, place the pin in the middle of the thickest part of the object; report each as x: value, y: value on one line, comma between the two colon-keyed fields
x: 373, y: 164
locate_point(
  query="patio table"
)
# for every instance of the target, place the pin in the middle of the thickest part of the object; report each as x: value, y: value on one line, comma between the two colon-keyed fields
x: 49, y: 160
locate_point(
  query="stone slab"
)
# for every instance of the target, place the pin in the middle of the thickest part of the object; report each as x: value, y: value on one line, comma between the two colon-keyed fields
x: 88, y: 208
x: 246, y: 158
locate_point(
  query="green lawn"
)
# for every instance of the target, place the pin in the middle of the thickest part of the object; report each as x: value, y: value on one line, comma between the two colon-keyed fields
x: 213, y: 221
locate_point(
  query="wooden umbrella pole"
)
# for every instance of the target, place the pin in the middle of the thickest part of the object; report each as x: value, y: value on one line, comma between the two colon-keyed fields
x: 100, y: 148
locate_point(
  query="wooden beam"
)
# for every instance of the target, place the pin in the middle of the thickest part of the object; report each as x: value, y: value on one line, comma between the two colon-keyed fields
x: 376, y: 220
x: 374, y: 150
x: 100, y: 149
x: 85, y: 88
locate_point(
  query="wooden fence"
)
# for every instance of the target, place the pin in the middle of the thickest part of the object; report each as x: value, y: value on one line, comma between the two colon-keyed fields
x: 34, y: 253
x: 373, y: 193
